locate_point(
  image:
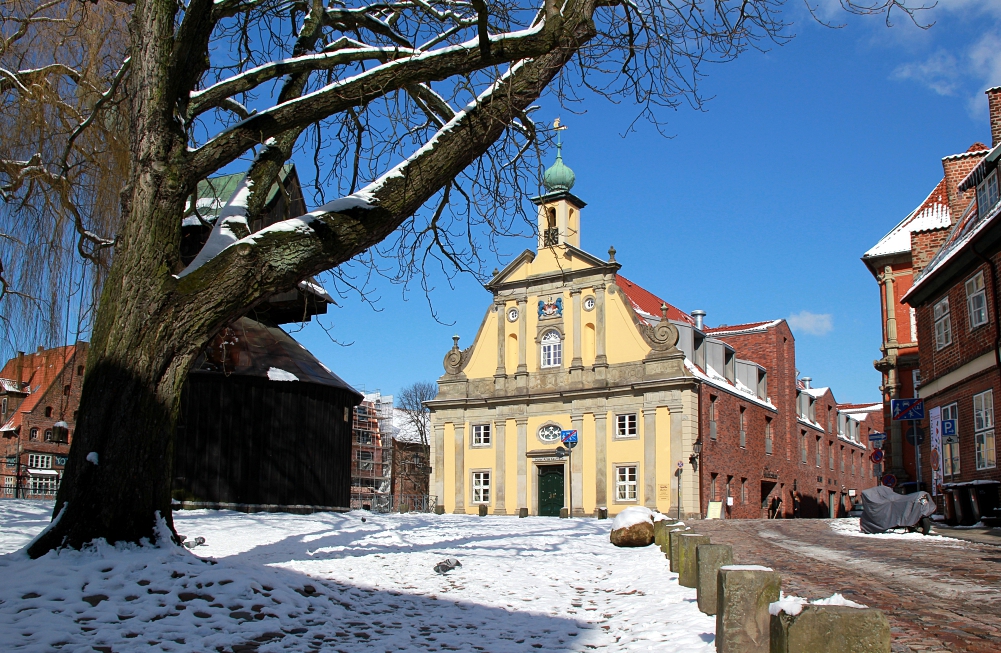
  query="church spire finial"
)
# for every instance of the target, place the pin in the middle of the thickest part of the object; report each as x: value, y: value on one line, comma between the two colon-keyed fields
x: 558, y: 177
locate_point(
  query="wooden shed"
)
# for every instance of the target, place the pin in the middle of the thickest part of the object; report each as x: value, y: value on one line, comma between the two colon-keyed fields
x: 264, y: 425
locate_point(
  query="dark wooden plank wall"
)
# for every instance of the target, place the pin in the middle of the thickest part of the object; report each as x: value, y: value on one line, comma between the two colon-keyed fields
x: 249, y: 440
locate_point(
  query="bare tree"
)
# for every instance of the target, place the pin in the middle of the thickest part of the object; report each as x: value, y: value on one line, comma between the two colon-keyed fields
x: 411, y: 401
x: 63, y: 156
x: 403, y: 105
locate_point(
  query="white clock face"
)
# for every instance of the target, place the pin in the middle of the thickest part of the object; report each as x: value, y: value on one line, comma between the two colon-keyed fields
x: 589, y: 303
x: 550, y: 433
x: 512, y: 315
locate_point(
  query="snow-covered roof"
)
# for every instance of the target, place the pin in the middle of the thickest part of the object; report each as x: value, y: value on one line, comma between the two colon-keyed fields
x: 717, y: 380
x: 10, y: 385
x: 966, y: 229
x: 932, y: 213
x: 816, y: 393
x: 859, y: 409
x: 739, y: 329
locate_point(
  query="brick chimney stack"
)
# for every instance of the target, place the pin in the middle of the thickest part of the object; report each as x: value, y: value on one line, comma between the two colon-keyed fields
x: 994, y: 104
x: 956, y: 167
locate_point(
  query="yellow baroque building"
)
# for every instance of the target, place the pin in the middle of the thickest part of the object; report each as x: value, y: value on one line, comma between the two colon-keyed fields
x: 567, y: 344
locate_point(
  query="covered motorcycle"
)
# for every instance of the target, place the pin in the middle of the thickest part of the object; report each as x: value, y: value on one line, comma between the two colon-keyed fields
x: 883, y: 509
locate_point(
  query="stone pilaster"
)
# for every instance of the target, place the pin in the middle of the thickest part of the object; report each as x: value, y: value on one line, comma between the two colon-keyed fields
x: 577, y: 467
x: 600, y: 359
x: 522, y: 424
x: 460, y: 469
x: 521, y: 375
x: 577, y: 363
x: 650, y: 458
x: 500, y: 470
x: 439, y: 463
x: 601, y: 459
x: 500, y: 374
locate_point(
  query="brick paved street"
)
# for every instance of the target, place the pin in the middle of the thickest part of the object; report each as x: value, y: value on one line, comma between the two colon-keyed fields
x: 939, y: 593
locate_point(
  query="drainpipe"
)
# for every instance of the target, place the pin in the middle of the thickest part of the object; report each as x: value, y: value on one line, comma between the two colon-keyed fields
x: 994, y: 304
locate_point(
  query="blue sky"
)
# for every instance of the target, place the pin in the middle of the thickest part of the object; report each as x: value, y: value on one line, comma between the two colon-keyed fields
x: 758, y: 207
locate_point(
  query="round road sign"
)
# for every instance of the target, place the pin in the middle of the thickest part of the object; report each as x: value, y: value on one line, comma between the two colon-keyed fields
x: 876, y: 456
x: 889, y: 480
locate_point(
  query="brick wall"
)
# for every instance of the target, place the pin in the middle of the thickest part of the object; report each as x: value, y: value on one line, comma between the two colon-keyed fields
x: 59, y: 395
x: 956, y: 168
x: 967, y: 343
x: 924, y: 245
x: 766, y: 476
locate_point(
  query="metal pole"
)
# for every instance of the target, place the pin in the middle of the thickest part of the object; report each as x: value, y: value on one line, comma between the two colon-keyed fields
x: 570, y: 477
x: 917, y: 455
x: 680, y: 470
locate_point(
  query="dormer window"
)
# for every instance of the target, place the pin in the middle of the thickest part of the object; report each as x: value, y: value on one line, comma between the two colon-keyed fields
x: 552, y: 349
x: 987, y: 193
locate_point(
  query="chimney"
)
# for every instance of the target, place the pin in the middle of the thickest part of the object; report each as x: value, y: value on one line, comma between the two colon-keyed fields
x: 956, y: 167
x: 806, y: 381
x: 994, y: 104
x: 698, y: 314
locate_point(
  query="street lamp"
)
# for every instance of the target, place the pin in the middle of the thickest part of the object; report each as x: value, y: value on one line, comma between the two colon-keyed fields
x: 694, y: 458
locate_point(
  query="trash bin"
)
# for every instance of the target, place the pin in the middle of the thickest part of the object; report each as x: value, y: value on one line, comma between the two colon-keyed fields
x: 984, y: 498
x: 949, y: 501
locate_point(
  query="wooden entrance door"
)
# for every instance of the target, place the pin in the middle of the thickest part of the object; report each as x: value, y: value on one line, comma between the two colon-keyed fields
x: 550, y: 490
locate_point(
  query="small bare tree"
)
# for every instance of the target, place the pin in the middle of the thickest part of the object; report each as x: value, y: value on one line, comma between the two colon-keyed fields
x: 411, y: 401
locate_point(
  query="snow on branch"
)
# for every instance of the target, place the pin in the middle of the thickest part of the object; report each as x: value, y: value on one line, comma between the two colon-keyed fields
x: 213, y: 96
x: 361, y: 88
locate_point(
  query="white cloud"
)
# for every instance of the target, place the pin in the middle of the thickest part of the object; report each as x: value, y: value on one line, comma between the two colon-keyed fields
x: 939, y: 72
x: 815, y: 324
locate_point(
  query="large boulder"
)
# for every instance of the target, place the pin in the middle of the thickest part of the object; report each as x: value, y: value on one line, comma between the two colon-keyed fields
x: 634, y: 527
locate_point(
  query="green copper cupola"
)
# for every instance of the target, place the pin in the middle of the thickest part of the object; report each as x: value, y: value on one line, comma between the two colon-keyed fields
x: 558, y: 177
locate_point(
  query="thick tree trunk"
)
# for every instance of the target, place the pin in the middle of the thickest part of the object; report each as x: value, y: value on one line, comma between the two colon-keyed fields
x: 118, y: 476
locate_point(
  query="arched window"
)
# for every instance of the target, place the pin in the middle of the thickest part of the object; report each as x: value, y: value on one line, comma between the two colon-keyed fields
x: 552, y: 349
x: 33, y: 434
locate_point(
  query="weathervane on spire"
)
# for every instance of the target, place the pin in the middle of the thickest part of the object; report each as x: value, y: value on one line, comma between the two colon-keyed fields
x: 558, y: 127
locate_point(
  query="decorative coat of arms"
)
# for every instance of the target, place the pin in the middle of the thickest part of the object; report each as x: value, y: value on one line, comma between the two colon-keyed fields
x: 551, y: 308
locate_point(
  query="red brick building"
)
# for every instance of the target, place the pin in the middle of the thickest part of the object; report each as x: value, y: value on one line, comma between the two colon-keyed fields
x: 39, y: 397
x: 786, y: 438
x: 895, y: 261
x: 955, y: 296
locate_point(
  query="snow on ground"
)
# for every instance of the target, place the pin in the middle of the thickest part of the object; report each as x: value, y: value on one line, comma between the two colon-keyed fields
x: 850, y: 526
x: 276, y: 582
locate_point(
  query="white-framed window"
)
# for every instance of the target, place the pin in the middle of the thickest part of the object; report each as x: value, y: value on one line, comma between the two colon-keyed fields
x: 366, y: 461
x: 625, y: 483
x: 552, y: 349
x: 943, y: 323
x: 481, y: 435
x: 987, y: 194
x: 42, y: 485
x: 950, y: 444
x: 983, y: 429
x: 481, y: 487
x: 976, y: 300
x: 33, y: 434
x: 8, y: 485
x: 625, y: 426
x: 39, y: 461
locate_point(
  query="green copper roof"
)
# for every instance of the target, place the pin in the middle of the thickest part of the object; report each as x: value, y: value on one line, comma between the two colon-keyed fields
x: 559, y: 177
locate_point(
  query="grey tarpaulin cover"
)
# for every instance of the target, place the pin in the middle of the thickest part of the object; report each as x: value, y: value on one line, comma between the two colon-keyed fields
x: 883, y: 509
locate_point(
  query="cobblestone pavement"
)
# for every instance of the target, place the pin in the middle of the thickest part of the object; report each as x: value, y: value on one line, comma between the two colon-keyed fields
x: 939, y: 593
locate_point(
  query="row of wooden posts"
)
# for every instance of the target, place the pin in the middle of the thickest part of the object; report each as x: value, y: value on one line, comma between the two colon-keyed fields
x: 740, y: 595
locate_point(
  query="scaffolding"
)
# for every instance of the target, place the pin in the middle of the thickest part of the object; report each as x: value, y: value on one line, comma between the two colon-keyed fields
x: 372, y: 454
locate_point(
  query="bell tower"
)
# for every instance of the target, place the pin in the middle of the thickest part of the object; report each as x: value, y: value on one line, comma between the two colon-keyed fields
x: 559, y: 209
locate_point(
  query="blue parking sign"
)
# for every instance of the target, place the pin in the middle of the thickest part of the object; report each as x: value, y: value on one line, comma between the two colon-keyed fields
x: 948, y: 427
x: 568, y: 436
